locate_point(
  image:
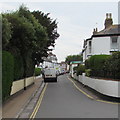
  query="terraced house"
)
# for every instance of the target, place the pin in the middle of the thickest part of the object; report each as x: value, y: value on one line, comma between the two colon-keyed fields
x: 105, y: 41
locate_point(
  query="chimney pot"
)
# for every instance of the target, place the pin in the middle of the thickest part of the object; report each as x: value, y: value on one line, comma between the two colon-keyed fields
x: 106, y: 15
x: 108, y: 20
x: 96, y: 29
x: 110, y: 15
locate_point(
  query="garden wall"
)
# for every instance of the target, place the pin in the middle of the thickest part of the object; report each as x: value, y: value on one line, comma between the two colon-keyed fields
x: 106, y: 87
x: 19, y: 85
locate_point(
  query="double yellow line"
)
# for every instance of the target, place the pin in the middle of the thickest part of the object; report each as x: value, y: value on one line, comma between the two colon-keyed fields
x: 89, y: 96
x: 38, y: 103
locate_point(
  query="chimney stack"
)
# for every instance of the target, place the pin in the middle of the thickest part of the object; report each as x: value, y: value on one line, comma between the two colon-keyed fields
x: 95, y: 31
x: 108, y: 20
x: 106, y: 15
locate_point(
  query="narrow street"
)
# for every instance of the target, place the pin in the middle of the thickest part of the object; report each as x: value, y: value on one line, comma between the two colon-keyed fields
x: 63, y: 100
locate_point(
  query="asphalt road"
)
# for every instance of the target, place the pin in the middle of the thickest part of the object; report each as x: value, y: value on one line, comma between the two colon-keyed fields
x: 63, y: 100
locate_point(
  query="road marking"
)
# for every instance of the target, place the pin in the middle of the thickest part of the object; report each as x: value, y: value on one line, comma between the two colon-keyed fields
x: 89, y: 96
x: 38, y: 103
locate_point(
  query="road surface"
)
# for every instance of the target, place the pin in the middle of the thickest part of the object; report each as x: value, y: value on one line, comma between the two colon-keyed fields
x: 63, y: 100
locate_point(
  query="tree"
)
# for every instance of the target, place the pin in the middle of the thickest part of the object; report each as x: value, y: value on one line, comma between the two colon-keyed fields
x: 28, y: 36
x: 73, y: 58
x: 49, y: 24
x: 6, y: 32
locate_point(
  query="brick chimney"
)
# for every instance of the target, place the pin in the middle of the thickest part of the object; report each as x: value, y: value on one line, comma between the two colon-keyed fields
x: 108, y: 20
x: 95, y: 31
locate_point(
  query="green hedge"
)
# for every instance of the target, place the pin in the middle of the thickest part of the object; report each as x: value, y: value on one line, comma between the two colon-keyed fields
x: 107, y: 66
x: 18, y: 67
x: 7, y: 74
x: 79, y: 69
x: 37, y: 71
x: 112, y: 66
x: 30, y: 66
x: 96, y: 64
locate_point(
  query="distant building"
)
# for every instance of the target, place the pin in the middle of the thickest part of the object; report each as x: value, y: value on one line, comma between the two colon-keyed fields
x: 105, y: 41
x: 50, y: 61
x: 63, y: 67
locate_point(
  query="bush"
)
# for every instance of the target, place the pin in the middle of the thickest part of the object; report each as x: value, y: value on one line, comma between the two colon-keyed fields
x: 75, y: 69
x: 37, y: 71
x: 96, y: 64
x: 80, y: 69
x: 88, y: 72
x: 7, y: 74
x: 112, y: 66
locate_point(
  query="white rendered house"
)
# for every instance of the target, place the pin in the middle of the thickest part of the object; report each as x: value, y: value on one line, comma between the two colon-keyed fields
x: 105, y: 41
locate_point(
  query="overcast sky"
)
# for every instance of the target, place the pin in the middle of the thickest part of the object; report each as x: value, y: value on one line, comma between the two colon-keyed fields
x: 76, y: 21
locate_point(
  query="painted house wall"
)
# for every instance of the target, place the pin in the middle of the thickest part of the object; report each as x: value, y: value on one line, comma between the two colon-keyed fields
x: 119, y: 43
x: 87, y: 53
x: 101, y: 45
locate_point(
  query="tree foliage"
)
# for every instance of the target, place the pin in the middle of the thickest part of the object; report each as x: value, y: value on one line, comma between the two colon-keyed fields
x: 28, y: 40
x: 49, y: 24
x: 27, y: 36
x: 73, y: 58
x: 6, y: 32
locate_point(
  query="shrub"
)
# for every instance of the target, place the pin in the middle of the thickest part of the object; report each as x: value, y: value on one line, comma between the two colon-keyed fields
x: 88, y: 72
x: 7, y: 74
x: 75, y: 69
x: 37, y: 71
x: 112, y: 66
x: 96, y: 64
x: 80, y: 69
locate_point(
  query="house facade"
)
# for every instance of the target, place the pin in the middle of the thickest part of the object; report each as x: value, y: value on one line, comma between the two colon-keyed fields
x: 105, y: 41
x: 50, y: 61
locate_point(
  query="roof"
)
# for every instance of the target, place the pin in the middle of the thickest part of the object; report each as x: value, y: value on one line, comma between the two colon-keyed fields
x: 112, y: 30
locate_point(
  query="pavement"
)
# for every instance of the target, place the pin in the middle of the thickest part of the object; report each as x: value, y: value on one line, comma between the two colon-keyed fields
x: 13, y: 107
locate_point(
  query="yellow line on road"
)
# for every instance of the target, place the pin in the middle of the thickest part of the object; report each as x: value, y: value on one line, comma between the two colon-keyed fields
x: 89, y: 96
x: 38, y: 103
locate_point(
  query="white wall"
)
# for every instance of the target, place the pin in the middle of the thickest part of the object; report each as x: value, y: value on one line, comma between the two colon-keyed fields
x: 19, y: 85
x: 106, y: 87
x: 71, y: 69
x: 100, y: 45
x: 119, y: 43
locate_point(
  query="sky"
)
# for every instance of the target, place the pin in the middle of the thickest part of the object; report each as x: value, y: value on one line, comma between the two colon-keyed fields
x: 76, y: 21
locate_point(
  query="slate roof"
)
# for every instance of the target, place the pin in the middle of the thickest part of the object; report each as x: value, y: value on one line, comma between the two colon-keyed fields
x: 112, y: 30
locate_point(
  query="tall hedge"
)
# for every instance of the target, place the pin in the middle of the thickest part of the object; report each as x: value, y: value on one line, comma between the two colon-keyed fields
x: 18, y: 67
x: 7, y: 74
x: 112, y: 66
x: 96, y: 64
x: 30, y: 66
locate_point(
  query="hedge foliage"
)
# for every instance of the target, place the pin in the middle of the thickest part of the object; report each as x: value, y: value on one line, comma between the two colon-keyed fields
x: 79, y: 69
x: 112, y: 66
x: 18, y: 67
x: 7, y: 74
x: 96, y: 64
x: 107, y: 66
x: 37, y: 71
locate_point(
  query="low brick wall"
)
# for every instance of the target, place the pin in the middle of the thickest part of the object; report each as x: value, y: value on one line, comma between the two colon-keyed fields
x: 19, y: 84
x: 106, y: 87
